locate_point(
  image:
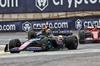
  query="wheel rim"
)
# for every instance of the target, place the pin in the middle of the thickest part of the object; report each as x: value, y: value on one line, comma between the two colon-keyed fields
x: 49, y: 44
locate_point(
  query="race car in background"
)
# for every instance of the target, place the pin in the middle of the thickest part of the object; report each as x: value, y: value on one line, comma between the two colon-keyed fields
x: 89, y: 34
x: 44, y: 40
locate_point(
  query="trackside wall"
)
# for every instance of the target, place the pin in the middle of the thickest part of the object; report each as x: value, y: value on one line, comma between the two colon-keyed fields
x: 43, y: 16
x: 63, y: 24
x: 23, y: 15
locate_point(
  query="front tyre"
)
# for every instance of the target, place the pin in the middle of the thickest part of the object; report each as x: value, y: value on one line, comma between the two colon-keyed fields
x: 31, y: 35
x: 14, y: 43
x: 71, y: 42
x: 81, y: 37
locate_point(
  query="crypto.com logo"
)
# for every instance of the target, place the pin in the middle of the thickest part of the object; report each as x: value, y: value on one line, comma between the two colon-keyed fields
x: 41, y: 4
x: 78, y: 24
x: 26, y: 26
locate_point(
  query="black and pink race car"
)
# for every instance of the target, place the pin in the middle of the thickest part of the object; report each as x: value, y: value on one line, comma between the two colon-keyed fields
x: 48, y: 41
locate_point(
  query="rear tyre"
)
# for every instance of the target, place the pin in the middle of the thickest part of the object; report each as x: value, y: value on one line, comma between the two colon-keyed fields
x: 31, y: 35
x: 71, y: 42
x: 14, y: 43
x: 81, y: 37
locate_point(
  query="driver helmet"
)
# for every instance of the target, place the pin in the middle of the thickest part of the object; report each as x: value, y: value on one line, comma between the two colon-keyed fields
x: 46, y: 27
x: 60, y: 36
x: 58, y: 30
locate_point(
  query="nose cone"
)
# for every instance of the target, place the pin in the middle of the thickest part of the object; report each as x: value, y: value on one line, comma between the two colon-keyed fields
x: 95, y: 35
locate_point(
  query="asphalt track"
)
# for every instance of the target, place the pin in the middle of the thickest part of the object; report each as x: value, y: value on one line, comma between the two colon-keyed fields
x: 86, y: 55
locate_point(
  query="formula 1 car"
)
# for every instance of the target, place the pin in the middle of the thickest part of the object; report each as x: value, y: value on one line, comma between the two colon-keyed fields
x: 89, y: 34
x: 50, y: 40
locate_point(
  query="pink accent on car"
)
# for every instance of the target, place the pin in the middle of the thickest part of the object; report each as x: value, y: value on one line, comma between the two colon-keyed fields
x: 24, y: 45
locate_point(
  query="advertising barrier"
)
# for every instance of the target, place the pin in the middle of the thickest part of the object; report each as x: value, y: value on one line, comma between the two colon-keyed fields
x: 67, y: 24
x: 27, y: 6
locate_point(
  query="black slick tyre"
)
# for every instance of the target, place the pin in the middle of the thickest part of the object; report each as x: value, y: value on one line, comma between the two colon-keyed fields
x: 31, y: 35
x: 81, y: 37
x: 71, y: 42
x: 14, y: 43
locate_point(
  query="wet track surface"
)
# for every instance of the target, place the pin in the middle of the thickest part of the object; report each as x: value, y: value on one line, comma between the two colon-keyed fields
x: 86, y: 55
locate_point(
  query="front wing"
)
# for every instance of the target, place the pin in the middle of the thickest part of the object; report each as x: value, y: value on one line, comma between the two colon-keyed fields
x: 26, y: 49
x: 91, y: 39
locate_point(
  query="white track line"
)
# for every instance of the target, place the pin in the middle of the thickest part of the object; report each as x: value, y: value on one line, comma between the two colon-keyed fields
x: 51, y: 53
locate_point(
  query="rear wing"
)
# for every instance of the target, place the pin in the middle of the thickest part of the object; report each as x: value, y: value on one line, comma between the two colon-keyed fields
x: 93, y: 28
x: 62, y: 33
x: 36, y: 29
